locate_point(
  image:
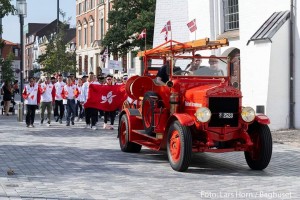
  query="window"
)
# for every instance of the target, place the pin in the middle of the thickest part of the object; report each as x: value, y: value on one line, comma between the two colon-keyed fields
x: 101, y: 28
x: 79, y: 8
x: 92, y: 4
x: 85, y: 5
x: 80, y: 65
x: 85, y: 36
x: 231, y: 14
x: 86, y: 64
x: 92, y: 34
x: 79, y: 37
x: 91, y: 64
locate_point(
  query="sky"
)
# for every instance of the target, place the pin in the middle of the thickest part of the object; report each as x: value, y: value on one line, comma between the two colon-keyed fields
x: 38, y: 11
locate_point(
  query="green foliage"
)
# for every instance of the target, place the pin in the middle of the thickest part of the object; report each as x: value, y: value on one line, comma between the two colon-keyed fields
x: 127, y: 19
x: 56, y: 59
x: 5, y: 9
x: 7, y: 71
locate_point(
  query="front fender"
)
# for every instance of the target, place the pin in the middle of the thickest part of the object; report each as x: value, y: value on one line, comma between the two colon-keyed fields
x: 262, y: 119
x: 184, y: 119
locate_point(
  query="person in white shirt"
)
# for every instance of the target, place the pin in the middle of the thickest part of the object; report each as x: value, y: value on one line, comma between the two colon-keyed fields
x: 70, y: 93
x: 91, y: 114
x: 79, y: 107
x: 59, y: 106
x: 47, y: 99
x: 31, y: 95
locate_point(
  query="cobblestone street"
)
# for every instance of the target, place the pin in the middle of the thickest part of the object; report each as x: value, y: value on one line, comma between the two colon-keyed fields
x: 74, y: 163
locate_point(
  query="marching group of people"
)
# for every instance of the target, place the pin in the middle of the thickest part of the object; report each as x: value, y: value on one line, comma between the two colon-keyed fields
x: 68, y: 98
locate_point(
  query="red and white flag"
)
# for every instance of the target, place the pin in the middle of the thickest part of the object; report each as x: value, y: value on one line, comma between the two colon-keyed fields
x: 166, y: 35
x: 106, y: 97
x: 192, y: 25
x: 167, y: 27
x: 142, y: 34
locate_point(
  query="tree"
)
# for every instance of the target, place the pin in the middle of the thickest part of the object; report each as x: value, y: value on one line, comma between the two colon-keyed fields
x: 5, y: 9
x: 7, y: 71
x: 127, y: 19
x: 56, y: 59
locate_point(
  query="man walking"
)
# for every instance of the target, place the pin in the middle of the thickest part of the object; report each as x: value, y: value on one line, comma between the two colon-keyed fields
x: 59, y: 106
x: 70, y: 92
x: 47, y: 98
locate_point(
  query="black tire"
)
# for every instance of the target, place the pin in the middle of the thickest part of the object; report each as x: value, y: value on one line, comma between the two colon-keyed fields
x: 179, y: 156
x: 258, y: 158
x: 148, y: 112
x: 123, y: 130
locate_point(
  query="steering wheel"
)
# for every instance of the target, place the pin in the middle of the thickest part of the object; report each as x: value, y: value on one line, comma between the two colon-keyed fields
x: 182, y: 72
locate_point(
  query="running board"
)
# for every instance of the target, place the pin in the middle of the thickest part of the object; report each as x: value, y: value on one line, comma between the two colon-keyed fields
x: 145, y: 140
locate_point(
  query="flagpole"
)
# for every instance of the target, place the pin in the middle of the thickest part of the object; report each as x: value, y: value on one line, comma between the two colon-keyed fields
x: 195, y: 35
x: 145, y: 39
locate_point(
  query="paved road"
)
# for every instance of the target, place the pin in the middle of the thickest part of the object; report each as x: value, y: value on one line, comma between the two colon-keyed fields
x: 75, y: 163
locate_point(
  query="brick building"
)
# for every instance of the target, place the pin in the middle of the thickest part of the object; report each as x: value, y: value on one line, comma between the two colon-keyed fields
x: 91, y: 26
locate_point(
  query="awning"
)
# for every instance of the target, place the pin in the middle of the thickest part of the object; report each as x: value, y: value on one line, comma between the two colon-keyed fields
x: 270, y: 26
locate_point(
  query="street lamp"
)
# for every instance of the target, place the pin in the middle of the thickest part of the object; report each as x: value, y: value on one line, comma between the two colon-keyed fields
x: 22, y: 12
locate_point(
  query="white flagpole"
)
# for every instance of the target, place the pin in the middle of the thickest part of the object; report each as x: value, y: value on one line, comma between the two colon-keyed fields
x: 145, y: 39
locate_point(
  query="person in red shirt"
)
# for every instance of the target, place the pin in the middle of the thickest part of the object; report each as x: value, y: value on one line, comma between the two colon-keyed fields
x: 70, y: 93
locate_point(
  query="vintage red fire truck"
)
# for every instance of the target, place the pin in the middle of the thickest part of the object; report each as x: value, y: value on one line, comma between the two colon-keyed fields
x: 199, y: 108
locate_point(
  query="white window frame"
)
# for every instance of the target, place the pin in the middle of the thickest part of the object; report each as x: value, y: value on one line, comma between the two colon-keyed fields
x: 232, y: 23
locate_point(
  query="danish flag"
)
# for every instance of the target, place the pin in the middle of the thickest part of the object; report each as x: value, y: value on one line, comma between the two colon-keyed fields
x: 166, y: 29
x: 192, y: 25
x: 142, y: 34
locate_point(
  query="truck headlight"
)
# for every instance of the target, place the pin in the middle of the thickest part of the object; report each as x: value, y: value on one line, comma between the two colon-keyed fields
x: 248, y: 114
x: 203, y: 114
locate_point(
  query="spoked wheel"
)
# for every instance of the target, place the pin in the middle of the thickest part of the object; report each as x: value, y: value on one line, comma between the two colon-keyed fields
x: 125, y: 145
x: 258, y: 158
x: 179, y: 146
x: 148, y: 111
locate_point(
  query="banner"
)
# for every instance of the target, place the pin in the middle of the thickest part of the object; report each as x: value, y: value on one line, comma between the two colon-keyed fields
x: 106, y: 97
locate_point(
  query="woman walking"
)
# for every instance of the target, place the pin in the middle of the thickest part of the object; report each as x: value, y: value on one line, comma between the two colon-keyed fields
x: 7, y: 95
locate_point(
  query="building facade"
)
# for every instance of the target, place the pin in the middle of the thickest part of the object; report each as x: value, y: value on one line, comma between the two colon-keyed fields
x: 37, y: 36
x: 91, y: 20
x: 30, y: 54
x: 91, y: 26
x: 11, y: 48
x: 259, y: 35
